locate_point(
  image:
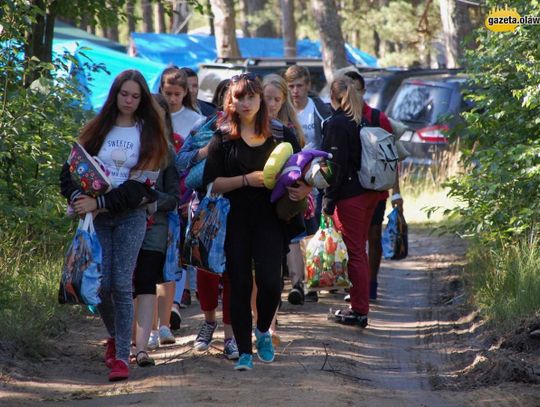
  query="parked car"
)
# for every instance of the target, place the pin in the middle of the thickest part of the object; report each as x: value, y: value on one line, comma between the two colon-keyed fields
x: 382, y: 83
x: 429, y: 106
x: 211, y: 74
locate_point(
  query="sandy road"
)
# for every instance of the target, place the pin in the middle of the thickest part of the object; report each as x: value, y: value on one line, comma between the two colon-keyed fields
x: 408, y: 346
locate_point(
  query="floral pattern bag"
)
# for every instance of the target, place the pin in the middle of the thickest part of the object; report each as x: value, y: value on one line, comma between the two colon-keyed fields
x: 326, y: 258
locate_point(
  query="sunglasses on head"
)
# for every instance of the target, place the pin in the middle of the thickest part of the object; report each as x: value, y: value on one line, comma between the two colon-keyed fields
x: 249, y: 76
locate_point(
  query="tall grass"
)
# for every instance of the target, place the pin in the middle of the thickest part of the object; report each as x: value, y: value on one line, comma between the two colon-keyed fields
x: 505, y: 280
x: 30, y: 262
x: 422, y: 187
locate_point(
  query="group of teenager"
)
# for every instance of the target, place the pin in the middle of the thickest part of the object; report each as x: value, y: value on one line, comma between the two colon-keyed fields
x: 137, y: 131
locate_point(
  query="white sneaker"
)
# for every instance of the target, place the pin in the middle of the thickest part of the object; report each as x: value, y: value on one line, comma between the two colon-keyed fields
x: 153, y: 341
x: 204, y: 338
x: 165, y: 336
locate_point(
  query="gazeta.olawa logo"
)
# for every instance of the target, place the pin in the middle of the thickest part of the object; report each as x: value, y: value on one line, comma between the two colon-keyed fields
x: 507, y: 19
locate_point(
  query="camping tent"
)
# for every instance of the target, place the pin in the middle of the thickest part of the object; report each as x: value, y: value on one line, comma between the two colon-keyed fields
x: 96, y: 84
x: 66, y: 32
x: 192, y: 50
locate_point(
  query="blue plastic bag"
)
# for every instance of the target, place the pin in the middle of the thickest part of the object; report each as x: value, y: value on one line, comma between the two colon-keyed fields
x: 171, y: 269
x: 395, y: 237
x: 197, y: 140
x: 81, y: 273
x: 205, y: 236
x: 202, y: 136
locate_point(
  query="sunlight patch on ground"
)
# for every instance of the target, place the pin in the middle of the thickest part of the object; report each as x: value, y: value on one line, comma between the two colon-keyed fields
x: 415, y: 206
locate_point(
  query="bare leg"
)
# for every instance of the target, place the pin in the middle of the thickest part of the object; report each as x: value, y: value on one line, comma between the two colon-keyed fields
x: 145, y: 312
x: 165, y: 297
x: 210, y: 316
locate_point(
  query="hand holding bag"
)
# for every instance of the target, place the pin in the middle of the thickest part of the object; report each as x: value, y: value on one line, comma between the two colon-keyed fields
x: 81, y: 273
x: 205, y: 236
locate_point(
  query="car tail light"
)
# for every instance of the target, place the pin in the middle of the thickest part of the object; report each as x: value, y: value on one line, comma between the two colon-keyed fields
x: 433, y: 134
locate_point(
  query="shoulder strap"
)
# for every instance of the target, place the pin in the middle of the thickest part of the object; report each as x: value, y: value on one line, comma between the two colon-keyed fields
x: 375, y: 117
x: 322, y: 110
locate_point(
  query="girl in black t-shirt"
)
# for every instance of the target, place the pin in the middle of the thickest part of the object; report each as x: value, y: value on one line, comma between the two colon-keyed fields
x: 236, y: 157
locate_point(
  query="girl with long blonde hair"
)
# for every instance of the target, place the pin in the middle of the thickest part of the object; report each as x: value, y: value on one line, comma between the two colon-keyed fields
x: 351, y: 205
x: 280, y: 107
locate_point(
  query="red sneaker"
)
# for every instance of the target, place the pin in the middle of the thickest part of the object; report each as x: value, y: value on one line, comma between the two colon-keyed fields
x: 119, y: 371
x: 110, y: 352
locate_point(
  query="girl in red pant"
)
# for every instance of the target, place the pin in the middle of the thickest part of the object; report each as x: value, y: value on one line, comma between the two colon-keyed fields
x: 351, y: 205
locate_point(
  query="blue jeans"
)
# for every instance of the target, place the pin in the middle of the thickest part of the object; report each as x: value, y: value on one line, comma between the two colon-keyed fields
x: 121, y: 237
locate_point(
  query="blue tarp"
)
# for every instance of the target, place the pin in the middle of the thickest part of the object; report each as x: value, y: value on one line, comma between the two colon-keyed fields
x: 114, y: 62
x: 191, y: 50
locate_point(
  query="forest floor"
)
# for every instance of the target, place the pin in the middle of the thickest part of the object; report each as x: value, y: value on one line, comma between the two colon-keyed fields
x: 424, y: 346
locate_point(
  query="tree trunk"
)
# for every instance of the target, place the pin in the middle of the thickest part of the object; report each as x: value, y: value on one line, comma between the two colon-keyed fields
x: 332, y: 44
x: 224, y: 24
x: 130, y: 11
x: 181, y: 15
x: 112, y: 33
x: 464, y: 28
x: 147, y: 16
x: 91, y: 29
x: 160, y: 17
x: 244, y: 25
x: 254, y: 9
x: 210, y: 17
x: 381, y: 45
x: 288, y: 28
x: 450, y: 32
x: 39, y: 40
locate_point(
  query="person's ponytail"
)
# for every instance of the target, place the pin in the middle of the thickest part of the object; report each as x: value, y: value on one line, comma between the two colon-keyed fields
x: 344, y: 96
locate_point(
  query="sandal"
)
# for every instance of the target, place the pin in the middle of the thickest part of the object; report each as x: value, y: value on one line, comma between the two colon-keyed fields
x: 143, y: 360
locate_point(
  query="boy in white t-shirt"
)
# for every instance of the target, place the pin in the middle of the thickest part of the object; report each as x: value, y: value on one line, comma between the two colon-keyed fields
x: 311, y: 112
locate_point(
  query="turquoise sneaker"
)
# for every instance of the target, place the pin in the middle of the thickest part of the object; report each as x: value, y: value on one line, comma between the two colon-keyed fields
x: 265, y: 347
x: 245, y: 362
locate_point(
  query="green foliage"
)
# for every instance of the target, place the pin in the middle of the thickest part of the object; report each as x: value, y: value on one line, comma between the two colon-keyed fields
x: 400, y: 23
x: 37, y: 126
x: 500, y: 193
x: 505, y: 280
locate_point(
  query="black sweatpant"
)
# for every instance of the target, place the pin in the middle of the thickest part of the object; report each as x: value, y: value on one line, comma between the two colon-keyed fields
x: 254, y: 238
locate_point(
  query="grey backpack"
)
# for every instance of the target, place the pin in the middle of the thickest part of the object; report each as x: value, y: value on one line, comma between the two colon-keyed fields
x: 379, y: 160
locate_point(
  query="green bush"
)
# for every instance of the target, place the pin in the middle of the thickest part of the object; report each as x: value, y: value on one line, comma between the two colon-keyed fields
x: 38, y: 124
x: 500, y: 191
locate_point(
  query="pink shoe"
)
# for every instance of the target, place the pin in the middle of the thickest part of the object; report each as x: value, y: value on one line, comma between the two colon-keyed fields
x: 110, y: 352
x: 119, y: 371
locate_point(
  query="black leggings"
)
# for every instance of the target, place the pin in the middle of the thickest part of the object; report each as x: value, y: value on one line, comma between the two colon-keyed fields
x: 254, y: 238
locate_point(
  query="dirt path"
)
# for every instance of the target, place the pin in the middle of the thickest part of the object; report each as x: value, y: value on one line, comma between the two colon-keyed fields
x: 417, y: 337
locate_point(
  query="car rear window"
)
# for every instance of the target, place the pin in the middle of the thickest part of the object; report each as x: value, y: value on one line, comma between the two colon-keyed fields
x: 420, y: 103
x: 210, y: 78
